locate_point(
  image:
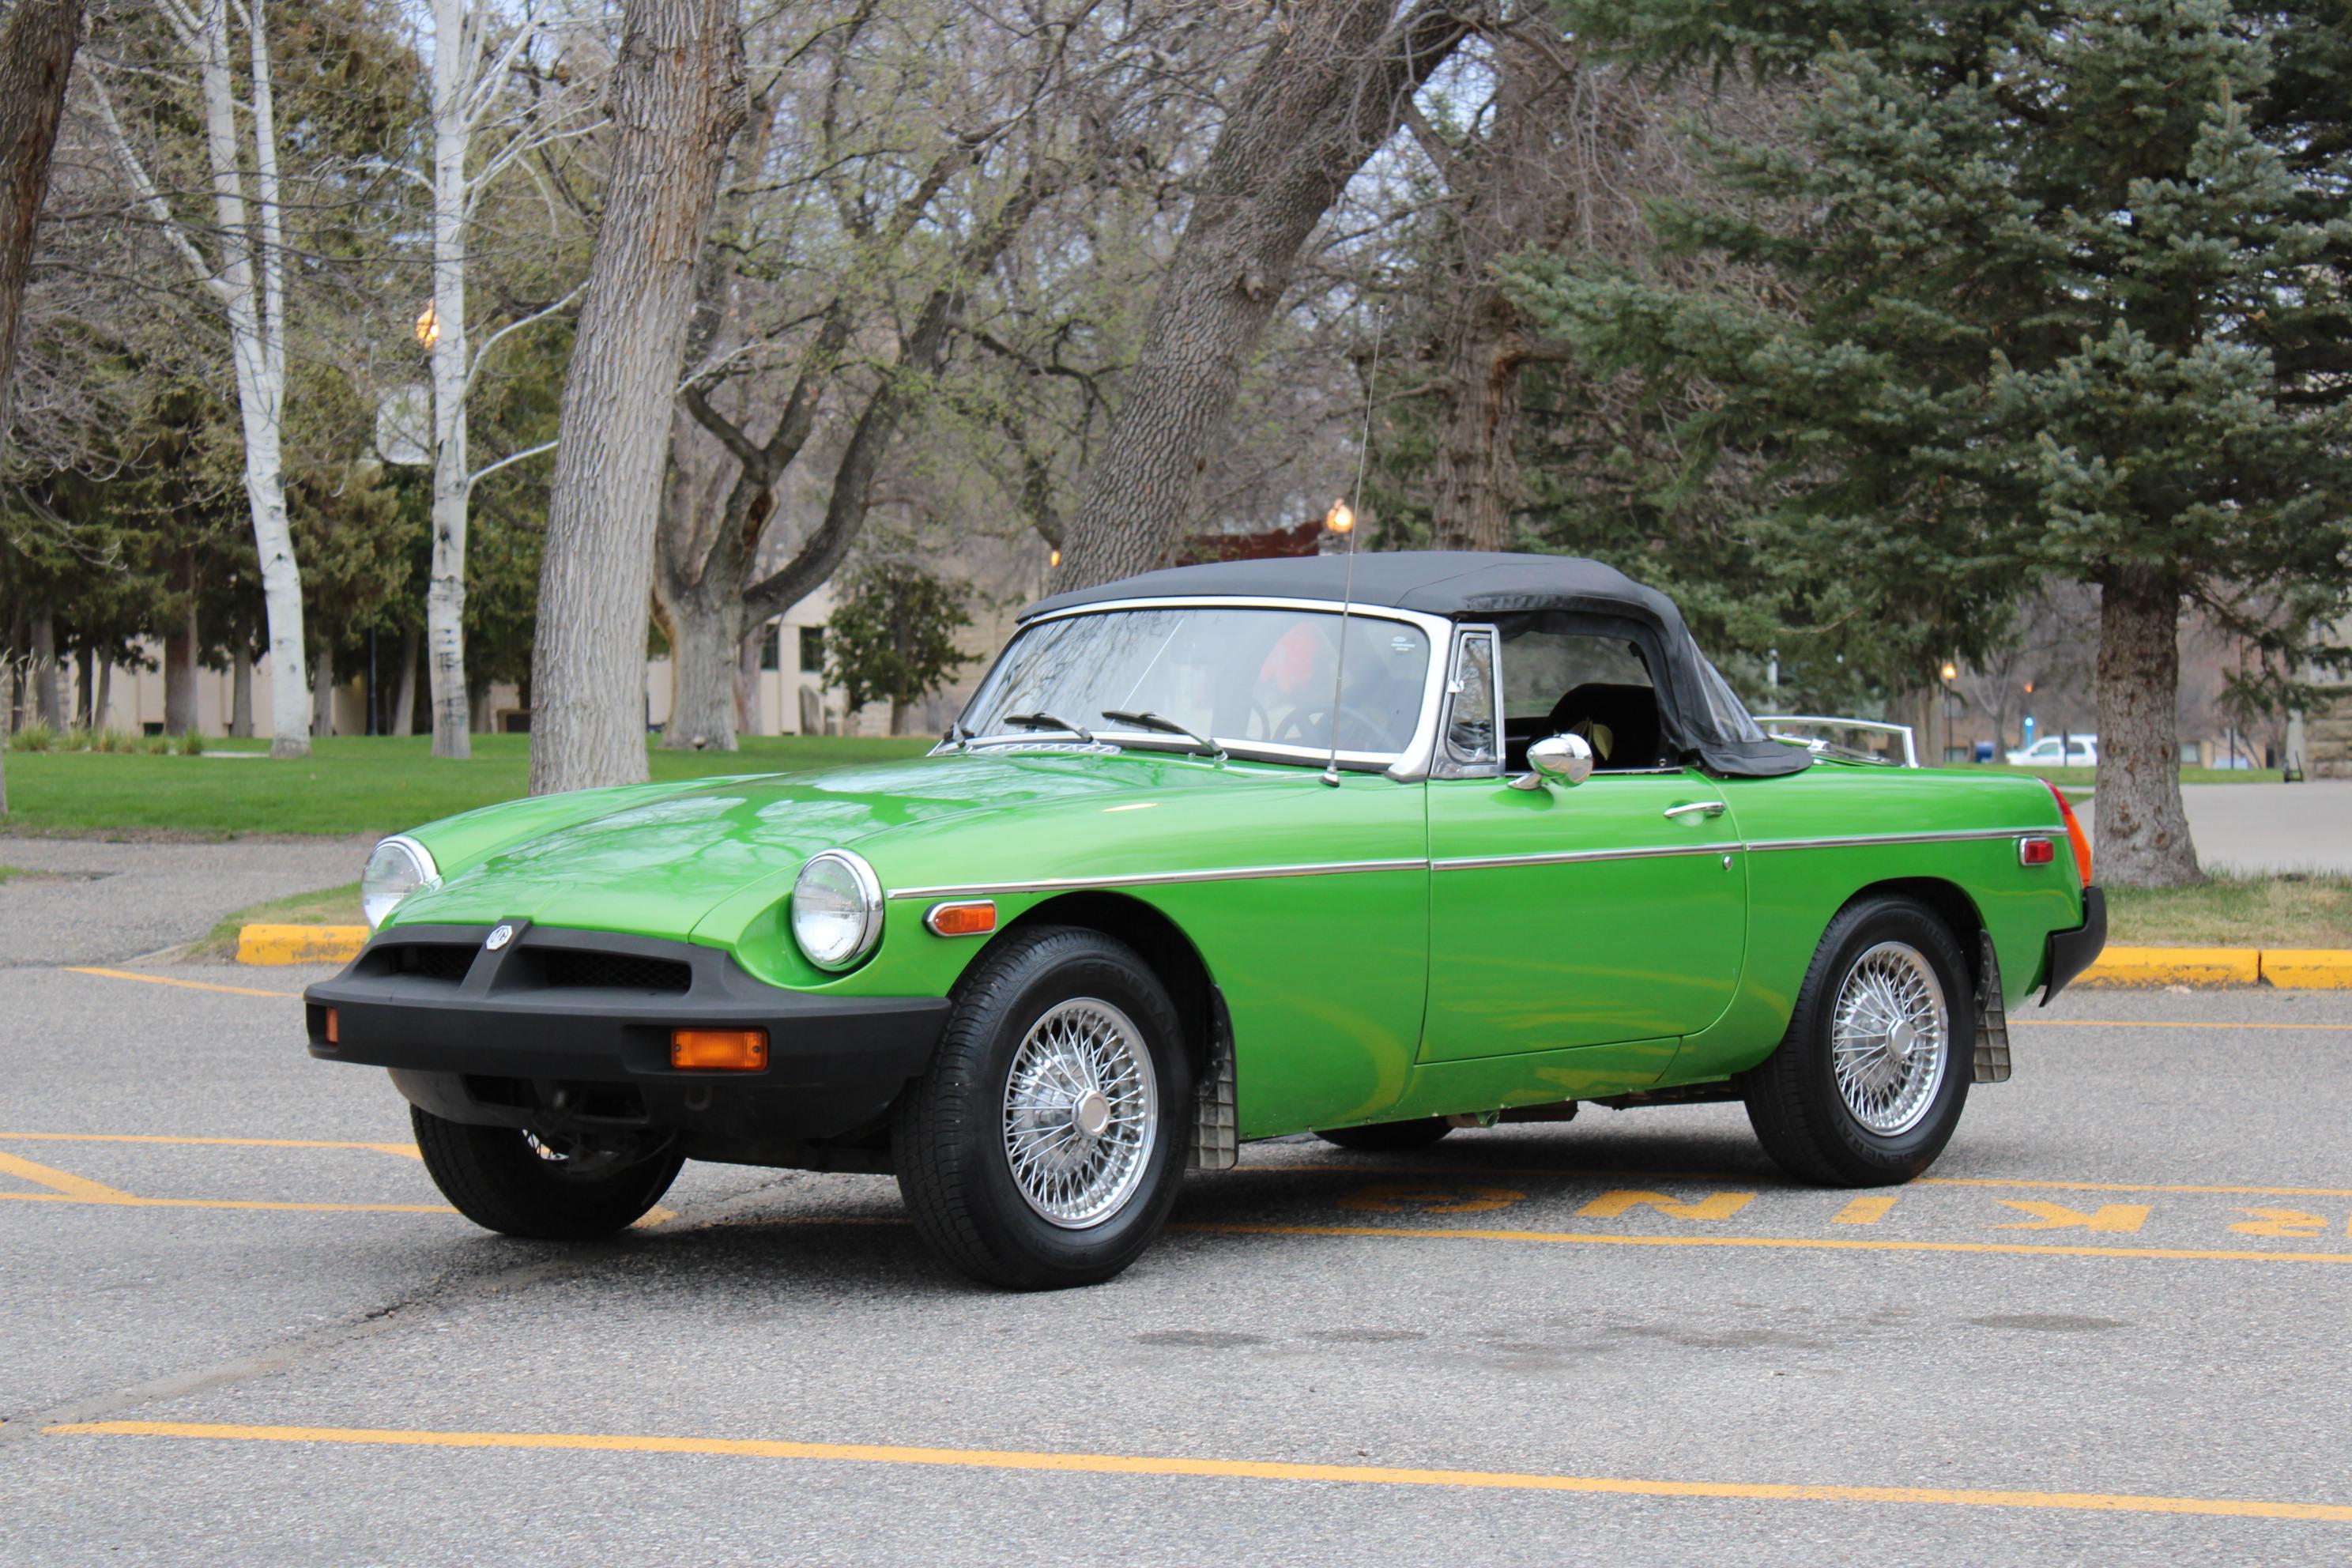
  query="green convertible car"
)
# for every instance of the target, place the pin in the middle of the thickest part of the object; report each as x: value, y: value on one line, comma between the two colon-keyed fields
x: 1375, y: 850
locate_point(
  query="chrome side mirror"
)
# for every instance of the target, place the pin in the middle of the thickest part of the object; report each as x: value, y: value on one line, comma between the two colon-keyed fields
x: 1565, y: 759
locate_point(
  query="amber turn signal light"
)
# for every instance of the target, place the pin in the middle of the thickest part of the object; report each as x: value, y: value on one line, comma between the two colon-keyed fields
x: 2036, y: 852
x: 334, y: 1027
x: 962, y: 919
x: 719, y: 1050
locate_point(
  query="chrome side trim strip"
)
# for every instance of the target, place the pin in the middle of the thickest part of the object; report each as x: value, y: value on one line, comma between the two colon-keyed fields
x: 1567, y: 856
x: 1158, y: 879
x: 1463, y: 863
x: 1957, y: 836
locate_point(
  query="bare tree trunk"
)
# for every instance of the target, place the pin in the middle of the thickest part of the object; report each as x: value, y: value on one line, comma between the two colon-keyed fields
x: 1323, y: 100
x: 444, y: 594
x: 105, y: 697
x: 403, y: 713
x: 2142, y: 829
x: 677, y: 98
x: 36, y: 51
x: 85, y: 670
x: 180, y: 678
x: 747, y: 679
x: 49, y: 701
x: 322, y: 694
x: 705, y: 636
x: 1475, y: 461
x: 240, y: 701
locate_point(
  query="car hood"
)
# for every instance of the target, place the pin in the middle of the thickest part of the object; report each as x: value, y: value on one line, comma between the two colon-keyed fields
x: 655, y: 866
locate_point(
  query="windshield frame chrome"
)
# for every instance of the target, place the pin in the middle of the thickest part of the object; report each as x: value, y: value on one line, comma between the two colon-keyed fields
x: 1409, y: 765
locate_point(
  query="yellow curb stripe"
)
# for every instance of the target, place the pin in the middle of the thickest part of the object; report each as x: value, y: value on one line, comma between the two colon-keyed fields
x: 127, y: 1201
x: 61, y: 1184
x: 2175, y: 966
x: 1221, y: 1470
x: 406, y: 1149
x: 166, y: 980
x: 2307, y: 968
x: 269, y: 946
x: 1794, y: 1243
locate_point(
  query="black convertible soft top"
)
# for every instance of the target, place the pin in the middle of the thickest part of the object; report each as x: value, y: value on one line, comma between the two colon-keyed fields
x: 1700, y: 714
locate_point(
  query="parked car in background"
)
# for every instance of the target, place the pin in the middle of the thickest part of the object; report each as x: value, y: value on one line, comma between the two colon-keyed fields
x: 1214, y: 854
x: 2078, y: 751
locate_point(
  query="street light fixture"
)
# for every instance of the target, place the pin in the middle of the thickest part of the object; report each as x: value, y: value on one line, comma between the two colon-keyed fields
x: 1950, y: 673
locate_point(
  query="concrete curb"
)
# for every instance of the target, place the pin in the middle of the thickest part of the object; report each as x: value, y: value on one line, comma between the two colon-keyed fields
x: 2288, y: 968
x: 276, y: 945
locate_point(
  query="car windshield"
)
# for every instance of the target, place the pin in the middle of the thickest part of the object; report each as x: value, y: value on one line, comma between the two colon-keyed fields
x: 1247, y: 678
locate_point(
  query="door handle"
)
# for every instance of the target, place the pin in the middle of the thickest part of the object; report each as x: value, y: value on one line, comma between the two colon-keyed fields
x: 1711, y: 807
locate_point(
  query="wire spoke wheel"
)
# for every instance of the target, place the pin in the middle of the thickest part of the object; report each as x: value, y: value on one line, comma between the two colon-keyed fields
x: 1890, y: 1038
x: 1081, y: 1113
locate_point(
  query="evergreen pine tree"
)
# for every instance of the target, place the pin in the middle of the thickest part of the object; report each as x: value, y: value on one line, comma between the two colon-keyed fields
x: 2066, y: 294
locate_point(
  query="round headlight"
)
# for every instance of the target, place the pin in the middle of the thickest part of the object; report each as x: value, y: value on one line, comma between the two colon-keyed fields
x: 398, y: 868
x: 836, y: 909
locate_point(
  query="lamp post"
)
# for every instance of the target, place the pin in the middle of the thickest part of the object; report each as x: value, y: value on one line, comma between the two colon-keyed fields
x: 1950, y: 673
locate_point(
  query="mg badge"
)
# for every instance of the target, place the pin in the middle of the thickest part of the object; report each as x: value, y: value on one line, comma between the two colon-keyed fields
x: 499, y: 936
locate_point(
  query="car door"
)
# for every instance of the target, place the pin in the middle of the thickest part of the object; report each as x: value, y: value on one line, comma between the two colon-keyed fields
x: 1612, y: 911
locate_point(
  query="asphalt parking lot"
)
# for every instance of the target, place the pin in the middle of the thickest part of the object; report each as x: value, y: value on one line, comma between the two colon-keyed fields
x: 2111, y: 1328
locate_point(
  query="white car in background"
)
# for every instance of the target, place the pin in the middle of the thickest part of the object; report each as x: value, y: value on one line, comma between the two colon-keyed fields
x: 2081, y: 752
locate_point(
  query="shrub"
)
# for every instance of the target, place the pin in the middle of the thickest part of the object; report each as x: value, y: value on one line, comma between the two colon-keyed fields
x: 40, y: 735
x: 111, y: 740
x: 190, y: 744
x: 76, y: 738
x: 155, y: 745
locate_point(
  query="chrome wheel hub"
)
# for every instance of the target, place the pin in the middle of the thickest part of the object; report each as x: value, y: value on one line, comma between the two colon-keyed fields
x: 1081, y: 1113
x: 1890, y: 1038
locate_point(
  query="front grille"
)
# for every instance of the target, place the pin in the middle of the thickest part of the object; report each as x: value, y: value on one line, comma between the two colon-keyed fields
x: 444, y: 962
x: 575, y: 967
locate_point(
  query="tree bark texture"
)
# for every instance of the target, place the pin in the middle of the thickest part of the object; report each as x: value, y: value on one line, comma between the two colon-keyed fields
x: 403, y: 712
x: 1474, y: 459
x: 322, y: 694
x: 444, y: 592
x: 677, y: 98
x: 105, y: 697
x: 180, y: 678
x: 85, y: 670
x: 49, y: 697
x: 2142, y: 826
x: 240, y: 707
x: 1320, y: 103
x: 36, y: 51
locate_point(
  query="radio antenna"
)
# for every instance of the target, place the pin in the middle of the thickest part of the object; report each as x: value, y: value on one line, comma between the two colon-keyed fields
x: 1342, y: 519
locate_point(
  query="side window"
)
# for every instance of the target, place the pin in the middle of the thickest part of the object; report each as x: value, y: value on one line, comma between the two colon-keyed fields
x: 1471, y: 744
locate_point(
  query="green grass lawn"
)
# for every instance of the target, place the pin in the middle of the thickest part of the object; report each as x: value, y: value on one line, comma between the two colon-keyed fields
x: 2083, y: 778
x: 2234, y: 911
x: 347, y: 785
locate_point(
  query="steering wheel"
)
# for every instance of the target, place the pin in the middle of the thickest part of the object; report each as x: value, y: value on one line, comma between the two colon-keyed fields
x: 1312, y: 726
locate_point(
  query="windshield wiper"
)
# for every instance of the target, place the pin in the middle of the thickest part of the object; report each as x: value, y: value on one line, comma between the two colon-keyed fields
x: 1164, y: 726
x: 1043, y: 720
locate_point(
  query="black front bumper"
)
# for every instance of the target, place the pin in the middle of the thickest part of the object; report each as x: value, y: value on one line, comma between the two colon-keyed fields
x: 563, y: 1027
x: 2069, y: 953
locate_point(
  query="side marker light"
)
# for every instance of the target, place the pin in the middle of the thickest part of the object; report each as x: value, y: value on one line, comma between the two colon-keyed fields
x: 2036, y: 852
x: 719, y: 1050
x: 962, y: 919
x: 334, y: 1027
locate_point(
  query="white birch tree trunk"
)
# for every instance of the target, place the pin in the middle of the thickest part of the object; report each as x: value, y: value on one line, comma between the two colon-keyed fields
x: 248, y: 282
x: 454, y: 63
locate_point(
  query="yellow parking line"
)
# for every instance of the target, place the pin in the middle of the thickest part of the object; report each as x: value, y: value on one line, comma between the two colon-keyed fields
x: 408, y: 1150
x: 1798, y: 1243
x: 1070, y: 1463
x: 2156, y: 1024
x: 128, y: 1200
x: 61, y: 1184
x: 166, y: 980
x: 1466, y: 1172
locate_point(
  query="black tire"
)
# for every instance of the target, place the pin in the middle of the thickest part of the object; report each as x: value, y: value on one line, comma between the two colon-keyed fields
x: 1794, y: 1102
x: 503, y: 1180
x: 1389, y: 1137
x: 949, y: 1135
